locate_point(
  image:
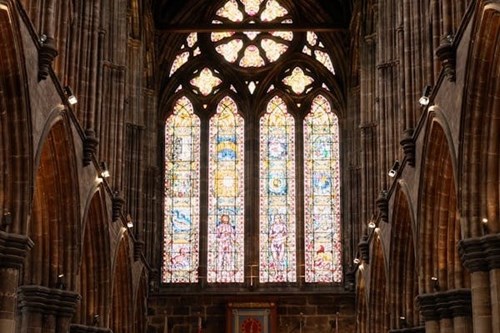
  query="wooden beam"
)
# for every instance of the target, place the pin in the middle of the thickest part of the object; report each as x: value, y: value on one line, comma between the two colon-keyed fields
x: 241, y: 27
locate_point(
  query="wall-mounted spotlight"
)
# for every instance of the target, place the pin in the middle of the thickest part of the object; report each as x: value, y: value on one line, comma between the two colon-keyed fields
x: 435, y: 283
x: 60, y: 282
x: 104, y: 170
x: 356, y: 261
x: 6, y: 218
x: 372, y: 224
x: 130, y: 223
x: 424, y: 100
x: 394, y: 169
x: 403, y: 322
x: 42, y: 38
x: 96, y: 320
x: 69, y: 94
x: 484, y: 225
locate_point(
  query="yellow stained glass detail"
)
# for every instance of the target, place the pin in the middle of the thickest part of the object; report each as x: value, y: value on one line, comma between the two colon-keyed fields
x: 252, y: 57
x: 251, y: 34
x: 251, y: 6
x: 217, y: 36
x: 312, y: 38
x: 273, y: 10
x: 273, y: 50
x: 230, y: 50
x: 206, y: 81
x: 324, y: 58
x: 298, y: 81
x: 192, y: 39
x: 286, y: 35
x: 180, y: 60
x: 231, y: 11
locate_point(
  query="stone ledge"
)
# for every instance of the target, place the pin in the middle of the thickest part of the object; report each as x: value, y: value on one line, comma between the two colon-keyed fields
x: 13, y: 249
x: 445, y: 304
x: 480, y: 254
x: 45, y: 300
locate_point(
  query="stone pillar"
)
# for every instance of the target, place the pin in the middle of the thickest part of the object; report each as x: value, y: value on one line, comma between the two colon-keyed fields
x: 88, y: 329
x: 13, y: 250
x: 442, y: 310
x: 45, y: 309
x: 481, y: 257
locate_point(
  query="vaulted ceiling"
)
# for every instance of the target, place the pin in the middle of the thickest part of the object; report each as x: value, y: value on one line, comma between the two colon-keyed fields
x: 325, y: 12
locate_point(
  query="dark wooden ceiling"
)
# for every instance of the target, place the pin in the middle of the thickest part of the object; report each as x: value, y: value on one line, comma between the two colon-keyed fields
x: 190, y: 12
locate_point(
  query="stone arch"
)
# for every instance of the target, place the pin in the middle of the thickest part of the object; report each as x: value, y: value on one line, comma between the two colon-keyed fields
x: 95, y: 264
x: 403, y: 275
x: 55, y: 222
x: 480, y: 154
x: 439, y: 227
x: 16, y: 152
x: 378, y: 310
x: 140, y: 312
x: 121, y: 317
x: 361, y: 305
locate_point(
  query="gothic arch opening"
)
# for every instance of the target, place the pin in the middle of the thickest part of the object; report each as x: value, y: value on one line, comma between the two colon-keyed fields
x: 122, y: 314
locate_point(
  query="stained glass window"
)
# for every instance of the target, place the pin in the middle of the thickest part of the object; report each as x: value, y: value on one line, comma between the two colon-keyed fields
x: 226, y: 195
x: 182, y: 172
x: 277, y: 194
x: 206, y: 81
x: 186, y: 51
x: 322, y: 236
x: 316, y: 48
x: 298, y: 81
x: 252, y: 49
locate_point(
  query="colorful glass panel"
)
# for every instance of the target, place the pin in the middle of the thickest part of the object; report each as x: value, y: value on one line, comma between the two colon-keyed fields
x: 273, y: 50
x: 231, y: 11
x: 325, y: 59
x: 323, y: 249
x: 272, y: 11
x: 230, y: 49
x: 251, y: 6
x: 277, y: 194
x: 226, y: 195
x: 182, y: 193
x: 252, y: 57
x: 298, y: 81
x: 180, y: 60
x: 206, y: 82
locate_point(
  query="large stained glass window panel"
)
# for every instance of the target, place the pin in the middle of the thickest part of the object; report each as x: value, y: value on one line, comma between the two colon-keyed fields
x: 226, y: 195
x: 323, y: 251
x: 277, y: 194
x: 182, y: 165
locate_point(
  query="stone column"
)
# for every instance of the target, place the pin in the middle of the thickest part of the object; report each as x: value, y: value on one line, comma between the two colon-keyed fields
x: 13, y: 250
x: 45, y: 309
x: 481, y: 257
x: 442, y: 310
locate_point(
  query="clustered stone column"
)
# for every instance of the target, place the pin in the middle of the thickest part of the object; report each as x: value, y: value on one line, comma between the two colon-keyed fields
x: 447, y: 311
x: 45, y: 309
x: 13, y: 251
x: 481, y: 256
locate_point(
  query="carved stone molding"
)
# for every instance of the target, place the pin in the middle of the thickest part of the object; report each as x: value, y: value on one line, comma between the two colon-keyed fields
x: 420, y: 329
x: 74, y: 328
x: 46, y: 55
x: 480, y: 254
x: 47, y: 301
x: 138, y: 248
x: 13, y: 249
x: 446, y: 54
x: 408, y: 144
x: 364, y: 249
x: 90, y: 144
x: 383, y: 206
x: 446, y: 304
x: 117, y: 203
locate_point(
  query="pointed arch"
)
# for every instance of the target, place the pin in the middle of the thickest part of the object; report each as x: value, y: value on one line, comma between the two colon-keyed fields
x: 378, y: 316
x: 479, y: 156
x: 16, y: 152
x: 55, y: 223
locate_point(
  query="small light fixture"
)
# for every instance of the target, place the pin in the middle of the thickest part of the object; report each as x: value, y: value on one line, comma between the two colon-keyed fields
x: 435, y: 283
x: 484, y: 220
x: 69, y: 94
x: 377, y: 230
x: 372, y: 224
x: 356, y: 261
x: 424, y: 100
x: 6, y: 218
x: 402, y: 321
x: 394, y: 169
x: 130, y: 223
x: 43, y: 38
x: 104, y: 170
x: 60, y: 282
x: 96, y: 320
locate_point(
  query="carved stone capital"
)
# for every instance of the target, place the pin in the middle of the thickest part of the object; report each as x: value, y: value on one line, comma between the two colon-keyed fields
x: 13, y: 249
x: 364, y: 249
x: 47, y: 301
x: 74, y: 328
x: 90, y: 144
x: 480, y: 254
x: 383, y: 206
x: 408, y: 144
x: 46, y: 55
x: 446, y: 54
x: 117, y: 205
x: 446, y: 304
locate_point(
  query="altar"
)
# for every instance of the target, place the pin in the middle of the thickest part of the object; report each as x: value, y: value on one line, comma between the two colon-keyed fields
x: 251, y: 317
